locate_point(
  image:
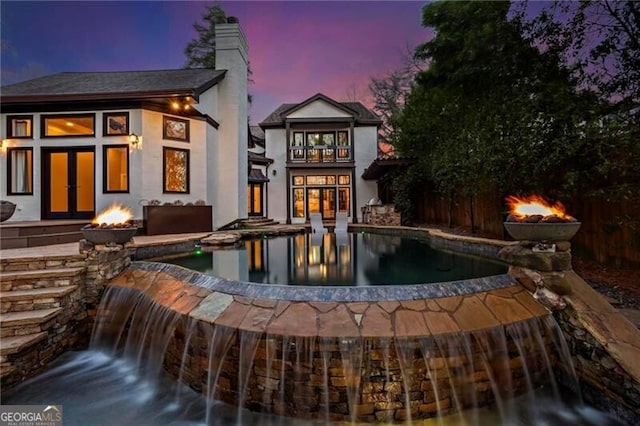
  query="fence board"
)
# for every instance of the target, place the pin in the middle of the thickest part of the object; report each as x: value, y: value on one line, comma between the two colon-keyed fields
x: 610, y: 231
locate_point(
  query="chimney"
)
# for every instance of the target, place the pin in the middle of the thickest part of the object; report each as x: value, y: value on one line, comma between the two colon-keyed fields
x: 231, y: 164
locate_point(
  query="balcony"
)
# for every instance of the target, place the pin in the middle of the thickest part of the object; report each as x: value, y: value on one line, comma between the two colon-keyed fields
x: 320, y: 154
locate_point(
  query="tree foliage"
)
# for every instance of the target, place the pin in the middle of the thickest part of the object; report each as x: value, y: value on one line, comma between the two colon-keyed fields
x: 498, y: 106
x: 201, y: 52
x: 599, y: 40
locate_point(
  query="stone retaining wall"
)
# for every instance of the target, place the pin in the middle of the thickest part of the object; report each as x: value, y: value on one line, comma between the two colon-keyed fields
x: 370, y: 361
x: 603, y: 382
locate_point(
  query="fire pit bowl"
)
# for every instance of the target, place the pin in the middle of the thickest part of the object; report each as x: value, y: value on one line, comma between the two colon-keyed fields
x: 542, y: 231
x: 108, y: 235
x: 7, y: 209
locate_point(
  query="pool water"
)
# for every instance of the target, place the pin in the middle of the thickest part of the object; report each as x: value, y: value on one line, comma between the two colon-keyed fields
x: 362, y: 259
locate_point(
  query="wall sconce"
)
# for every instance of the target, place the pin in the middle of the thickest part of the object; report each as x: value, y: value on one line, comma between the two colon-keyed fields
x: 135, y: 141
x: 274, y: 172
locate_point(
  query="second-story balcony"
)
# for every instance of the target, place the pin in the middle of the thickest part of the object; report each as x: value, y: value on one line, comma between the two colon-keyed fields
x: 320, y: 154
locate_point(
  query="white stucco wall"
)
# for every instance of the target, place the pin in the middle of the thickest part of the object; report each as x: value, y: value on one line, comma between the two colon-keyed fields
x: 366, y: 150
x: 276, y: 149
x: 319, y: 109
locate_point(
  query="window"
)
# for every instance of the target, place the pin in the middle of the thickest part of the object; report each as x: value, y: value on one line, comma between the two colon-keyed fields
x: 20, y: 171
x: 343, y: 141
x: 115, y: 123
x: 298, y: 141
x: 343, y: 200
x: 344, y: 180
x: 116, y: 168
x: 175, y: 170
x: 20, y: 126
x: 55, y: 126
x: 175, y: 129
x: 298, y: 202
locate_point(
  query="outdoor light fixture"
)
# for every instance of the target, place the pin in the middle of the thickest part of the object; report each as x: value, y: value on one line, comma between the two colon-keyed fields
x: 135, y: 141
x: 182, y: 104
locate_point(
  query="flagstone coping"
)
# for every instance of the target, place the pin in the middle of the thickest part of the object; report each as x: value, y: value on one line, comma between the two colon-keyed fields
x: 398, y: 313
x: 606, y: 324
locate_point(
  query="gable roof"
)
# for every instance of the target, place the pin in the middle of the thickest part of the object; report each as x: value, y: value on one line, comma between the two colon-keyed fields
x: 361, y: 113
x: 69, y: 86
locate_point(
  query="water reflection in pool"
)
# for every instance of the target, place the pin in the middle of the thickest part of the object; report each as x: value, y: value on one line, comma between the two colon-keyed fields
x: 340, y: 260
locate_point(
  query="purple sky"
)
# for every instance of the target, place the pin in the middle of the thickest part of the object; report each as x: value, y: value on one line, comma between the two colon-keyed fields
x: 296, y: 49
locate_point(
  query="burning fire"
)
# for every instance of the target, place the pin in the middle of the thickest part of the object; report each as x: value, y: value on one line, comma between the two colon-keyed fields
x: 534, y: 209
x: 114, y: 215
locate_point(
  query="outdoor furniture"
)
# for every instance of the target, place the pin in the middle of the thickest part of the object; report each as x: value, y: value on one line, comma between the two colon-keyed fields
x: 317, y: 227
x: 341, y: 222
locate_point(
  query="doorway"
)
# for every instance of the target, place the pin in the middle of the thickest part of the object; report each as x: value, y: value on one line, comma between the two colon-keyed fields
x: 254, y: 199
x: 68, y: 183
x: 322, y: 200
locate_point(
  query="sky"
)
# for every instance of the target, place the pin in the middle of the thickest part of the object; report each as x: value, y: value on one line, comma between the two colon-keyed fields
x: 296, y: 48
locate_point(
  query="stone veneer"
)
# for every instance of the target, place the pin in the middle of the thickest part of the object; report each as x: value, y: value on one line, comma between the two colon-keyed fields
x: 380, y: 357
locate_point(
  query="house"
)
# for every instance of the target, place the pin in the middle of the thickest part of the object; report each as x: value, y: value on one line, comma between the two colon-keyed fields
x: 75, y: 143
x: 320, y: 149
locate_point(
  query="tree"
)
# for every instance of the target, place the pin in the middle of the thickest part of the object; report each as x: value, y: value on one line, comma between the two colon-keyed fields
x: 490, y: 108
x: 390, y: 92
x: 201, y: 52
x: 599, y: 40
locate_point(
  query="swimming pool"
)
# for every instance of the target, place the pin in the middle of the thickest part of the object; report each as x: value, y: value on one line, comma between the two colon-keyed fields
x: 353, y: 259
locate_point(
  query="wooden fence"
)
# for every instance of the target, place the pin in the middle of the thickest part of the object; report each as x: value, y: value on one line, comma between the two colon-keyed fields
x: 610, y: 231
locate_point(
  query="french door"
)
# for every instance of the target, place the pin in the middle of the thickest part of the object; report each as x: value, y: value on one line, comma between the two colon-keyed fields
x: 68, y: 183
x: 322, y: 200
x: 254, y: 199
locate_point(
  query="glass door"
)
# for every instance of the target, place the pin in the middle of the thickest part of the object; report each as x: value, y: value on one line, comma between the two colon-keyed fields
x: 322, y: 200
x: 328, y: 203
x: 68, y: 183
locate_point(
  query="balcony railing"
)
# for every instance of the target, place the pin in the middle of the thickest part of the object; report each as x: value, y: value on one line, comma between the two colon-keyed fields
x: 320, y: 154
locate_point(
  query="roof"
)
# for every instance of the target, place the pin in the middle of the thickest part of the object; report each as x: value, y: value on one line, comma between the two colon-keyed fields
x: 259, y: 158
x: 381, y: 166
x: 256, y: 175
x: 256, y: 136
x: 112, y: 85
x: 360, y: 112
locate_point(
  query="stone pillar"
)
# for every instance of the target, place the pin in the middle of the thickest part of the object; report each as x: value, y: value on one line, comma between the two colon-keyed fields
x: 534, y: 269
x: 103, y: 263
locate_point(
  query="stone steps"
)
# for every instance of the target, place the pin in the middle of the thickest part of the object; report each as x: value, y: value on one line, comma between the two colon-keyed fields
x: 42, y: 278
x: 28, y: 322
x: 15, y: 344
x: 34, y: 299
x: 256, y: 222
x: 38, y: 233
x: 20, y: 262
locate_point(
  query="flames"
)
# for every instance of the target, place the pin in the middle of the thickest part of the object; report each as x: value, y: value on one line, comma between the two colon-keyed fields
x: 114, y: 215
x: 535, y: 208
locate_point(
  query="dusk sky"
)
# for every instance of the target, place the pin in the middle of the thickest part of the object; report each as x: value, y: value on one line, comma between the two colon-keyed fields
x: 296, y: 48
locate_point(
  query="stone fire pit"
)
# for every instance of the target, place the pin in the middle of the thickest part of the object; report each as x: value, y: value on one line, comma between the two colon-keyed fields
x: 542, y: 231
x: 109, y: 234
